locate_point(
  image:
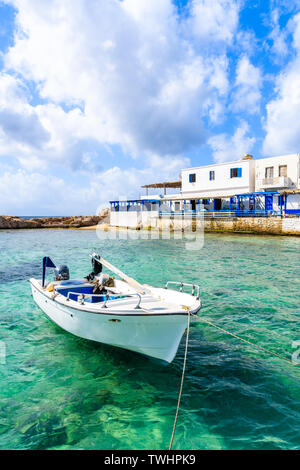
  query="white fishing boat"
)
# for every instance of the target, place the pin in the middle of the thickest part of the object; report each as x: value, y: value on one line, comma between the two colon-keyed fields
x: 119, y: 312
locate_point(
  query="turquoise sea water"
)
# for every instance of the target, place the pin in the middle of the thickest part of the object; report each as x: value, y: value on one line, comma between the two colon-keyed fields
x: 61, y: 392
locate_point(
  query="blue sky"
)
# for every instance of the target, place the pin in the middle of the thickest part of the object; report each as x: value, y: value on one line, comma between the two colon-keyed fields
x: 100, y: 97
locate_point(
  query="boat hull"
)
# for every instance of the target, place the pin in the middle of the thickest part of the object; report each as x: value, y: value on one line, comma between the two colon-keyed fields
x: 156, y: 336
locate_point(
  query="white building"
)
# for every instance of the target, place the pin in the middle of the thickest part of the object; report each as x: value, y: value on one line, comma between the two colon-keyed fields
x: 281, y: 174
x: 247, y: 187
x: 220, y: 179
x: 278, y: 173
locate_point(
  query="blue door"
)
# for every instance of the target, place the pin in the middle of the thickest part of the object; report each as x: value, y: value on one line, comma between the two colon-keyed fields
x: 269, y: 203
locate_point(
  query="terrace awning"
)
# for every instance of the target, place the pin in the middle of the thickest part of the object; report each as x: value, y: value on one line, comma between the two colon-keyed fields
x: 289, y: 191
x: 167, y: 184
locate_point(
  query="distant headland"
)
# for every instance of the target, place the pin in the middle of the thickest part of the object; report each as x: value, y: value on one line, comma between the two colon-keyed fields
x: 13, y: 222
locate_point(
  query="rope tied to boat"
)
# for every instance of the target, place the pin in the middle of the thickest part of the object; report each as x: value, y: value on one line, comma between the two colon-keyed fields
x: 244, y: 340
x: 182, y: 379
x: 185, y: 357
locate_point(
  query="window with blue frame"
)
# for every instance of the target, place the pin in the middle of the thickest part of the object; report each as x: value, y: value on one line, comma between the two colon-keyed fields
x: 235, y: 172
x: 211, y: 175
x: 192, y: 177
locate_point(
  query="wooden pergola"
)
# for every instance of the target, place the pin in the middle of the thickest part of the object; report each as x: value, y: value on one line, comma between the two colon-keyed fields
x: 165, y: 185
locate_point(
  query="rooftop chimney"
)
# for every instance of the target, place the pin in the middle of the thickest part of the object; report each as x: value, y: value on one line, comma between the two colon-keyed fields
x: 247, y: 156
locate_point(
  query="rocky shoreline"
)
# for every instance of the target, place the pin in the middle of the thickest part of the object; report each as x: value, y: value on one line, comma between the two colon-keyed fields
x: 11, y: 222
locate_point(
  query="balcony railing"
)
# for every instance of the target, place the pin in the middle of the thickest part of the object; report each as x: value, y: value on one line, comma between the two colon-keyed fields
x: 279, y: 182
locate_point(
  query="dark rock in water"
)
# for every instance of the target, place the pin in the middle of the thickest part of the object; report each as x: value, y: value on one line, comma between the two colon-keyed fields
x: 43, y: 433
x: 75, y: 430
x: 220, y: 293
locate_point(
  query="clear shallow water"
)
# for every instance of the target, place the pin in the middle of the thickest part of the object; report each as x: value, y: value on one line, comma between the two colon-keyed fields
x: 61, y: 392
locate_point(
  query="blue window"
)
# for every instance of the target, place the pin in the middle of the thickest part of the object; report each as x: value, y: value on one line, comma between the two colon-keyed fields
x: 192, y: 177
x: 211, y: 175
x: 235, y: 173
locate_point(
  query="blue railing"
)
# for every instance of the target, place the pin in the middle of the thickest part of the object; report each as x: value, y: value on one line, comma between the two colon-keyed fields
x: 224, y: 213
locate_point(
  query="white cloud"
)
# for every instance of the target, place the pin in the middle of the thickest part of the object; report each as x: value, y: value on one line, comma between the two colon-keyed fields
x: 247, y: 94
x: 39, y: 134
x: 21, y: 131
x: 215, y: 20
x: 278, y: 37
x: 282, y: 124
x: 230, y: 148
x: 107, y: 72
x: 136, y: 74
x: 246, y: 41
x: 23, y: 192
x: 34, y: 193
x: 295, y: 24
x: 26, y: 129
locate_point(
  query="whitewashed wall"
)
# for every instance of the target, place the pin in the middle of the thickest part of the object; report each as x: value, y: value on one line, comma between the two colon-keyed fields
x: 293, y: 171
x: 132, y: 219
x: 293, y: 202
x: 223, y: 184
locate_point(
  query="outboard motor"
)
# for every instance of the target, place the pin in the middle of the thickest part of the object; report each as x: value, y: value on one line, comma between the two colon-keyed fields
x: 61, y: 273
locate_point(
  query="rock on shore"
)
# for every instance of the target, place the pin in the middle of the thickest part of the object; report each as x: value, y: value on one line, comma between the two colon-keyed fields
x: 10, y: 222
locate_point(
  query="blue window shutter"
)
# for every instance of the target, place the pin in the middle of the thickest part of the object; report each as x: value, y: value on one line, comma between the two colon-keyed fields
x: 231, y: 173
x: 239, y: 173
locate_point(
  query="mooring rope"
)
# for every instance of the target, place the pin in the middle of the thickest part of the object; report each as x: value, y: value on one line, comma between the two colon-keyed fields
x: 182, y: 379
x: 185, y: 356
x: 244, y: 340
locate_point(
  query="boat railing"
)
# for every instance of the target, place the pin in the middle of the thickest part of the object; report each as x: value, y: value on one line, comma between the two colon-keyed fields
x: 195, y: 287
x: 81, y: 297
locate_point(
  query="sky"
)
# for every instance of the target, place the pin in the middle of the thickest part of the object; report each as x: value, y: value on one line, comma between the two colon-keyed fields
x: 98, y: 97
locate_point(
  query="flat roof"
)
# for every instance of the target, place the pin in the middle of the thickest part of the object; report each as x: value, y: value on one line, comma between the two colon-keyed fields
x: 242, y: 160
x: 235, y: 162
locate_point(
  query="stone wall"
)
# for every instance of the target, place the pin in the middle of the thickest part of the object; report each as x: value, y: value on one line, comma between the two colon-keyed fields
x: 261, y: 225
x: 291, y: 225
x: 255, y: 225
